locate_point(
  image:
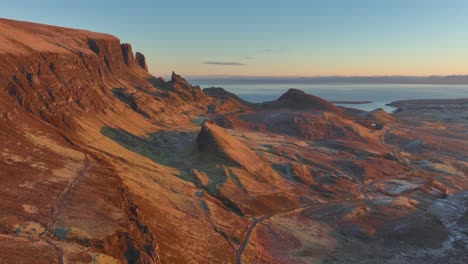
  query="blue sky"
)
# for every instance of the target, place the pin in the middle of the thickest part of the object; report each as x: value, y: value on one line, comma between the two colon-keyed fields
x: 271, y: 38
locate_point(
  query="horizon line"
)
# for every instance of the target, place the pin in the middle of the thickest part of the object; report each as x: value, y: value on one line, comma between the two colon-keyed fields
x: 380, y: 79
x: 324, y: 76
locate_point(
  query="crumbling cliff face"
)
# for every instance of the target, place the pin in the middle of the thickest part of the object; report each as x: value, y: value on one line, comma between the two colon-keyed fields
x: 51, y: 73
x: 132, y: 60
x: 141, y: 61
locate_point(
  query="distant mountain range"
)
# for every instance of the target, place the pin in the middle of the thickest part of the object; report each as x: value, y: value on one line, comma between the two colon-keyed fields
x: 451, y: 79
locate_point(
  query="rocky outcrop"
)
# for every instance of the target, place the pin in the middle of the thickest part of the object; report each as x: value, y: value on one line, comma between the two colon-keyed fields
x: 141, y: 61
x: 185, y: 90
x: 178, y: 79
x: 127, y: 54
x: 132, y: 60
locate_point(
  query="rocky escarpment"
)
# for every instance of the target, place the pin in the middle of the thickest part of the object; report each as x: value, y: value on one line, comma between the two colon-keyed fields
x: 128, y: 56
x: 131, y: 60
x: 53, y: 72
x: 141, y: 61
x: 60, y: 75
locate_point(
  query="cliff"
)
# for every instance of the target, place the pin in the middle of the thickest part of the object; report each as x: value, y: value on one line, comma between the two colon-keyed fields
x: 53, y: 71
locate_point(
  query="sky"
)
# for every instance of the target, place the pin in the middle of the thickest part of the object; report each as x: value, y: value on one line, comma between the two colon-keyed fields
x: 276, y: 37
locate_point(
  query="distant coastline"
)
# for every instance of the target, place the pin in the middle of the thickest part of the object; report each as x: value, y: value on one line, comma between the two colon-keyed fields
x: 445, y: 80
x: 351, y: 102
x: 366, y: 97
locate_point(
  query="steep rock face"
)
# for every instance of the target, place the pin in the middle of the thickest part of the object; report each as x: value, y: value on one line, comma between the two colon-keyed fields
x: 52, y: 85
x: 108, y: 52
x: 133, y: 60
x: 53, y: 72
x: 141, y: 61
x: 127, y: 54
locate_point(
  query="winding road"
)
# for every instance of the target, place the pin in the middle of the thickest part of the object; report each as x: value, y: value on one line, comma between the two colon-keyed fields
x: 244, y: 244
x: 256, y: 221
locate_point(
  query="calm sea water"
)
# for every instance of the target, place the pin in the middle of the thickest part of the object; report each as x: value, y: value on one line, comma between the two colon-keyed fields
x: 379, y: 94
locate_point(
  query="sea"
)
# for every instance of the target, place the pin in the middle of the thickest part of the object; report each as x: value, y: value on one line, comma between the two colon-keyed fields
x: 378, y: 94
